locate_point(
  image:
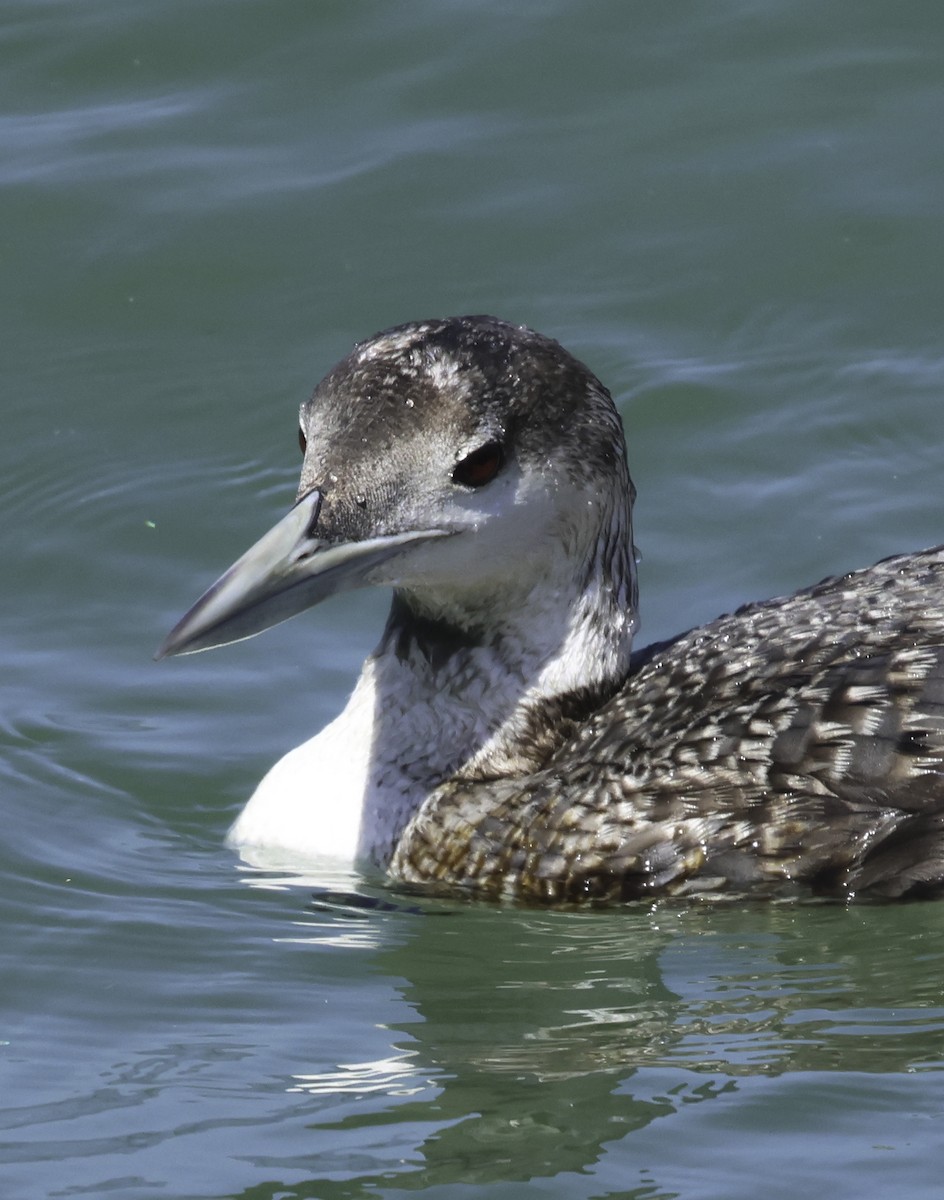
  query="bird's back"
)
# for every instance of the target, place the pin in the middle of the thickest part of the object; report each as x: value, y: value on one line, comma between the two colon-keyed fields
x: 796, y: 742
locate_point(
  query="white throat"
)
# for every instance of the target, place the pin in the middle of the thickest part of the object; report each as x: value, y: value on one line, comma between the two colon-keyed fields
x: 419, y: 714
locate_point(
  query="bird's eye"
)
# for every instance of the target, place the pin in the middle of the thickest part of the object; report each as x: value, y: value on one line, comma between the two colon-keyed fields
x: 302, y: 440
x: 481, y: 466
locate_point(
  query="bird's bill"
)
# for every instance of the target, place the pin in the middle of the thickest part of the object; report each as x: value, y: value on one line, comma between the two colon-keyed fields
x: 288, y: 570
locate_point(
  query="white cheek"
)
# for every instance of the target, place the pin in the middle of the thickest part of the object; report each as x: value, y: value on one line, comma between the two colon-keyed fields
x: 515, y: 525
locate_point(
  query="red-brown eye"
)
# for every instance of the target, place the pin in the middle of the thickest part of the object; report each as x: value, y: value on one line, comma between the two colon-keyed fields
x: 481, y: 466
x: 302, y: 440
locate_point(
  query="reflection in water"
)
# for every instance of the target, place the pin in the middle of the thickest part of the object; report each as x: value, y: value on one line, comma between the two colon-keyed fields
x: 538, y: 1044
x: 394, y: 1076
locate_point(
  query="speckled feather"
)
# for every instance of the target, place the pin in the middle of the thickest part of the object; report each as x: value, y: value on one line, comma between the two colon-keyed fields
x: 798, y: 741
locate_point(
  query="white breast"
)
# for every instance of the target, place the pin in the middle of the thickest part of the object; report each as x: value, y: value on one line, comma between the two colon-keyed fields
x: 348, y: 792
x: 311, y: 802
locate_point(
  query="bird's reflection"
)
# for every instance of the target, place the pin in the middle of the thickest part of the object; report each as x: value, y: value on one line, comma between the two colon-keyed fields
x: 531, y: 1044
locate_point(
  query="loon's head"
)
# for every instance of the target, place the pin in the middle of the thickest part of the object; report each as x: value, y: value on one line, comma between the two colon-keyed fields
x: 460, y: 461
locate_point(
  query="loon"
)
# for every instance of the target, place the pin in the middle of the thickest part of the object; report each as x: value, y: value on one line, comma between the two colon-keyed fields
x: 503, y: 741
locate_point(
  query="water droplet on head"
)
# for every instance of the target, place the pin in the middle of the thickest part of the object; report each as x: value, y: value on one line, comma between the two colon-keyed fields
x: 409, y: 402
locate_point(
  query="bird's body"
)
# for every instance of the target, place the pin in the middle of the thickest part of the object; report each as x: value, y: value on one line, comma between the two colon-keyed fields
x: 796, y: 743
x: 501, y: 740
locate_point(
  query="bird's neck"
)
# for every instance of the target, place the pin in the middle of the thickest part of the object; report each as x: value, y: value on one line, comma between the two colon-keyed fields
x: 486, y: 690
x: 485, y: 687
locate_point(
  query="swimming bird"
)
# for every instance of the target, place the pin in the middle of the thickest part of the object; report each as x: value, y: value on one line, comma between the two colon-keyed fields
x: 503, y: 741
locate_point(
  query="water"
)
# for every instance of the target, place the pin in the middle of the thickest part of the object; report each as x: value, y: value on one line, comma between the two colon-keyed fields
x: 732, y: 212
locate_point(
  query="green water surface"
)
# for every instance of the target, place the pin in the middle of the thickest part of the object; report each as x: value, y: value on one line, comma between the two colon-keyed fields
x: 733, y: 212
